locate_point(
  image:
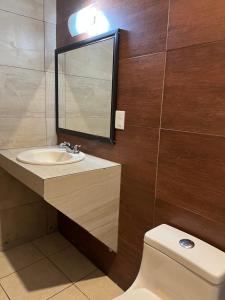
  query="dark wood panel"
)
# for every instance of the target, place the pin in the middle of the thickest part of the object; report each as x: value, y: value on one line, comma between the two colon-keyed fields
x: 195, y: 22
x: 140, y: 89
x: 203, y: 228
x: 144, y: 23
x: 192, y: 173
x: 195, y: 90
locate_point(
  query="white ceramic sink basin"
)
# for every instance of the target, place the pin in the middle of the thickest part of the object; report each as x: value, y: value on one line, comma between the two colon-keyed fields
x: 49, y: 156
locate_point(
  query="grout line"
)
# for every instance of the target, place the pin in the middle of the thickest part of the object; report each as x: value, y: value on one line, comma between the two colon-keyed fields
x: 61, y: 271
x: 20, y: 206
x: 19, y: 117
x: 23, y: 68
x: 161, y: 113
x: 21, y: 15
x: 38, y: 260
x: 43, y: 4
x: 92, y: 272
x: 72, y: 285
x: 60, y: 291
x: 46, y: 123
x: 83, y: 277
x: 196, y: 45
x: 93, y: 78
x: 48, y: 22
x: 86, y: 277
x: 59, y: 251
x: 75, y: 283
x: 143, y: 55
x: 82, y: 292
x: 23, y: 268
x: 45, y: 257
x: 49, y: 259
x: 4, y: 291
x: 193, y: 132
x: 194, y: 212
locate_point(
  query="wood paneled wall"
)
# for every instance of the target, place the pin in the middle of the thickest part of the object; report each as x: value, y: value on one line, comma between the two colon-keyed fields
x: 172, y: 87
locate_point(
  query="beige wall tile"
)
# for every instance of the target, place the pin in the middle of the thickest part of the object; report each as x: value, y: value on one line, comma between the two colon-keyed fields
x: 22, y: 132
x: 62, y: 122
x: 22, y: 41
x: 20, y: 171
x: 50, y: 95
x: 51, y: 243
x: 23, y: 108
x: 76, y: 267
x: 33, y: 9
x: 22, y: 224
x: 14, y: 193
x: 22, y: 92
x: 38, y: 282
x: 50, y: 11
x: 62, y: 95
x: 71, y: 293
x: 50, y: 46
x: 51, y: 132
x: 97, y: 286
x: 62, y: 63
x: 3, y: 295
x: 18, y: 258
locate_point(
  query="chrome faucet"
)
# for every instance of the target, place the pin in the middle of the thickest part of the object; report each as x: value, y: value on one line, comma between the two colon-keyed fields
x: 70, y: 148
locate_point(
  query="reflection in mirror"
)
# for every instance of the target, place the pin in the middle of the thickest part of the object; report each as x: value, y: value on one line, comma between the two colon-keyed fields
x: 85, y: 89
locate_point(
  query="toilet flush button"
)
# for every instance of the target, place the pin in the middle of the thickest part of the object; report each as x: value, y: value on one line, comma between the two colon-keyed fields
x: 187, y: 244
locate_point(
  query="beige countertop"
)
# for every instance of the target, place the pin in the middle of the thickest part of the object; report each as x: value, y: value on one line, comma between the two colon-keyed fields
x: 35, y: 176
x: 45, y: 172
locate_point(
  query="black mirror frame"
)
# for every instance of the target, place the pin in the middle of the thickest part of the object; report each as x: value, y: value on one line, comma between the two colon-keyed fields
x: 115, y: 34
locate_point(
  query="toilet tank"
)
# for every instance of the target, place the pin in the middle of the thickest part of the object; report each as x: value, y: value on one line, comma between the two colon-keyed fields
x: 195, y: 271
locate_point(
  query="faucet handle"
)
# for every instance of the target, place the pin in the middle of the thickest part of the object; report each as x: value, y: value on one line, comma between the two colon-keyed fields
x: 64, y: 144
x: 76, y: 148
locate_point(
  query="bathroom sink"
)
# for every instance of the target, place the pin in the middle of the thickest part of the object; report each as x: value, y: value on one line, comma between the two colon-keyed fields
x: 49, y: 156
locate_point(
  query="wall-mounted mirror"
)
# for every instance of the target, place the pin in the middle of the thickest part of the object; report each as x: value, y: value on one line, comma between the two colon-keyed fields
x: 86, y: 84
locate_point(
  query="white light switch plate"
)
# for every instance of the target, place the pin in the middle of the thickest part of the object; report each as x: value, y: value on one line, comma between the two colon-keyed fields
x: 120, y: 119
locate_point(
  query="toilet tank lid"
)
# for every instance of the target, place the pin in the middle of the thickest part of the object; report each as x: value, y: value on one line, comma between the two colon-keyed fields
x: 203, y: 259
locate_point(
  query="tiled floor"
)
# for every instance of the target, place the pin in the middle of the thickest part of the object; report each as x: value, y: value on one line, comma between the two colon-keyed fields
x: 51, y: 268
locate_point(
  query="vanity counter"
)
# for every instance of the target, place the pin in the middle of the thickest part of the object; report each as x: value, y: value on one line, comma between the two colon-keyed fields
x: 88, y: 191
x: 34, y: 175
x: 90, y: 163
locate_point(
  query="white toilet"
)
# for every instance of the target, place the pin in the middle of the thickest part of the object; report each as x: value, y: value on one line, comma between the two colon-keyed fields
x: 178, y: 266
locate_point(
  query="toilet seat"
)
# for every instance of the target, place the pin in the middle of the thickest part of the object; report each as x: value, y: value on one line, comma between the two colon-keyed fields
x: 138, y: 294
